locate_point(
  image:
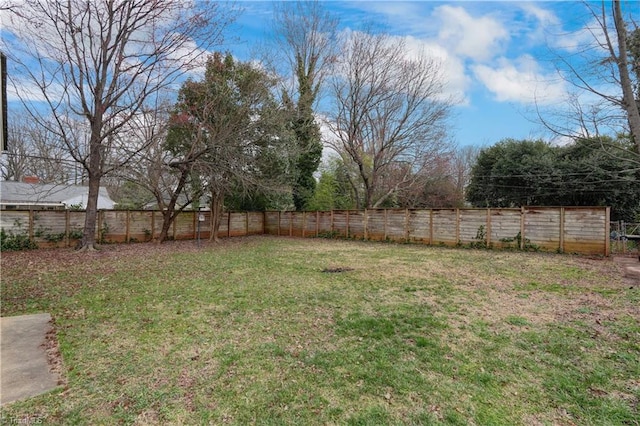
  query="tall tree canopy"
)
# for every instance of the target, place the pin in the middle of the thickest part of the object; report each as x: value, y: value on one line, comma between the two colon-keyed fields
x: 515, y: 173
x: 305, y: 33
x: 233, y: 121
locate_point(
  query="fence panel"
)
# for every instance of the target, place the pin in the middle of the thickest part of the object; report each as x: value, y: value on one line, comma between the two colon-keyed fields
x: 543, y: 228
x: 324, y: 223
x: 357, y: 224
x: 584, y: 231
x: 420, y: 226
x: 340, y: 223
x: 237, y: 224
x: 49, y: 229
x: 397, y: 223
x: 255, y: 223
x: 505, y: 227
x: 271, y: 223
x: 473, y: 226
x: 140, y: 226
x: 376, y: 224
x: 112, y: 226
x: 445, y: 226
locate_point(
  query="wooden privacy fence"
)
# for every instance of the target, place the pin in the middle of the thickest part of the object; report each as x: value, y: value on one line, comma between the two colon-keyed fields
x: 60, y: 228
x: 582, y: 230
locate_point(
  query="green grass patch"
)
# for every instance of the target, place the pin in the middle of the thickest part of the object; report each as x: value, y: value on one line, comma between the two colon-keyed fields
x: 252, y: 331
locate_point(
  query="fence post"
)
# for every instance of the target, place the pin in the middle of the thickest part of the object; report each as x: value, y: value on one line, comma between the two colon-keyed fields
x: 488, y: 228
x: 67, y: 243
x: 406, y: 225
x: 365, y: 221
x: 457, y: 226
x: 347, y: 223
x: 100, y: 220
x: 332, y: 222
x: 562, y: 219
x: 174, y: 226
x: 127, y: 227
x: 607, y: 226
x: 31, y: 224
x: 385, y: 223
x: 304, y: 224
x: 195, y: 226
x: 291, y: 224
x: 523, y: 213
x: 317, y: 223
x: 153, y: 225
x: 430, y: 226
x: 279, y: 213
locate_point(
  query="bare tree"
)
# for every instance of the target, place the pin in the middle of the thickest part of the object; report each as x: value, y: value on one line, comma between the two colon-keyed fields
x: 389, y: 114
x: 98, y: 63
x: 16, y: 166
x: 305, y: 34
x: 35, y: 152
x: 164, y: 173
x: 602, y: 70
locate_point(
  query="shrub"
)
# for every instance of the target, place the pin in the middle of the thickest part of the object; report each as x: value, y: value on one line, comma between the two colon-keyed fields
x: 15, y: 242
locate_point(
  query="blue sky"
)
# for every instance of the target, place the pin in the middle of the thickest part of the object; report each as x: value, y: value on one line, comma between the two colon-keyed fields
x: 496, y: 55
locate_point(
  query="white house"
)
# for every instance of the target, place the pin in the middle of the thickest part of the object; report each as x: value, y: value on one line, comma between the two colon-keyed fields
x: 23, y: 195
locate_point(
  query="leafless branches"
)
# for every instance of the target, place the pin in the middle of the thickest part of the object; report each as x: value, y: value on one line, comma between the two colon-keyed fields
x: 100, y: 63
x: 602, y: 74
x: 389, y: 115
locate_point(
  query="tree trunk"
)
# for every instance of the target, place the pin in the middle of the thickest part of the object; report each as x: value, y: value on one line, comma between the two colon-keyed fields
x: 167, y: 219
x: 628, y: 98
x: 216, y: 215
x: 88, y: 241
x: 169, y: 213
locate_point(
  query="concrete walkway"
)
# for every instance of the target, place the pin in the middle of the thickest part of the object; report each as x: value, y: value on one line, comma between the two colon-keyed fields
x: 24, y: 368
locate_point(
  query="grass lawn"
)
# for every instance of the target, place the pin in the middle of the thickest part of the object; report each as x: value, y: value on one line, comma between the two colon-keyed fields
x: 253, y: 331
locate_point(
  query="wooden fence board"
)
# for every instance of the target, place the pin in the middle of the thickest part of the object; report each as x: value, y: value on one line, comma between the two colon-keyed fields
x: 396, y: 228
x: 184, y: 228
x: 285, y: 223
x: 505, y: 227
x: 339, y: 223
x: 542, y: 228
x: 472, y: 222
x: 444, y: 226
x: 356, y: 224
x: 113, y: 226
x: 376, y: 220
x: 271, y: 223
x: 324, y: 223
x: 419, y: 226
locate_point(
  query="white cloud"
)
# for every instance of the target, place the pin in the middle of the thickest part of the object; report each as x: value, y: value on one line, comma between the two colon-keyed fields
x: 544, y: 17
x: 520, y: 81
x: 540, y: 21
x: 477, y: 38
x: 452, y: 67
